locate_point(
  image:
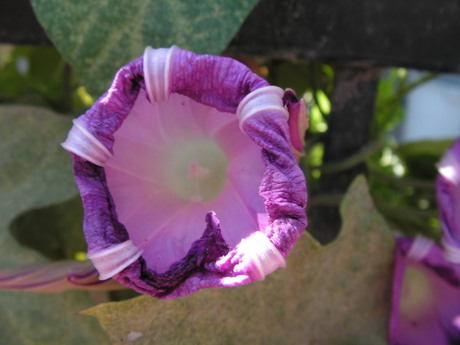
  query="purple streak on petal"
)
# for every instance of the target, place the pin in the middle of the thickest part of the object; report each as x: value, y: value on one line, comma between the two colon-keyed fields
x: 81, y: 276
x: 219, y: 82
x: 9, y: 275
x: 90, y: 280
x: 101, y: 226
x: 109, y: 111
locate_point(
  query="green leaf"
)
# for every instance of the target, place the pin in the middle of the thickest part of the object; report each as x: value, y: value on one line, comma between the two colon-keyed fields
x: 388, y: 103
x: 98, y: 37
x: 338, y: 294
x: 36, y: 172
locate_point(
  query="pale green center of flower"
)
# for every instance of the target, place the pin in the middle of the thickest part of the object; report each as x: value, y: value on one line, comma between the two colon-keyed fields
x: 196, y: 170
x: 416, y: 294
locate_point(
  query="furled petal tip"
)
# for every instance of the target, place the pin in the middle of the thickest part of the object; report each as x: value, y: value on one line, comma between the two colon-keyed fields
x: 279, y: 103
x: 114, y: 259
x: 188, y: 173
x: 55, y: 277
x: 264, y: 257
x: 268, y: 98
x: 85, y: 145
x: 298, y: 121
x: 157, y: 65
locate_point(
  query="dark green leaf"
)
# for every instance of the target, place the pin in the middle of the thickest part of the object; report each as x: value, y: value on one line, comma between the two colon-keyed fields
x: 55, y: 231
x: 98, y: 37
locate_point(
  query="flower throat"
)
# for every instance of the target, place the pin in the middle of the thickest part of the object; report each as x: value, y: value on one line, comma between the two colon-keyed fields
x: 196, y: 170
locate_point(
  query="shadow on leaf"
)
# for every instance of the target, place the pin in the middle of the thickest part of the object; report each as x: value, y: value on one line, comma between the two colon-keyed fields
x: 54, y: 231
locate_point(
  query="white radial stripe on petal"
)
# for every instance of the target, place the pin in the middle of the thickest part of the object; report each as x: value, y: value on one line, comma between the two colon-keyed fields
x: 87, y: 146
x: 114, y: 259
x: 267, y: 98
x: 240, y: 199
x: 420, y: 248
x: 263, y: 254
x: 165, y: 222
x: 157, y: 67
x: 451, y: 253
x: 127, y: 171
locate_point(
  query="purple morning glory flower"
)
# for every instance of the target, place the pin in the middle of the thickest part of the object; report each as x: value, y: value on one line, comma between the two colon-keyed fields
x: 188, y: 174
x: 448, y: 196
x: 426, y: 295
x: 426, y: 301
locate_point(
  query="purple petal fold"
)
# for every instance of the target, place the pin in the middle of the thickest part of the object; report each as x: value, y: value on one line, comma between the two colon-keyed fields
x: 298, y: 121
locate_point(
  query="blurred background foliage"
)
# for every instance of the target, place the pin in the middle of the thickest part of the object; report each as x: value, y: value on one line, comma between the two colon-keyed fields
x: 401, y: 177
x: 39, y: 76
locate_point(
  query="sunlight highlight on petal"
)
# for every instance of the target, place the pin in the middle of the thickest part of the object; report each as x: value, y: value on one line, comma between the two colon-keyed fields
x: 265, y: 257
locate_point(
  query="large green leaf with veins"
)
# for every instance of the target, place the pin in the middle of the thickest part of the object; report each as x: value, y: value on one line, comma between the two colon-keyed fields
x: 98, y: 37
x: 36, y: 172
x: 338, y: 294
